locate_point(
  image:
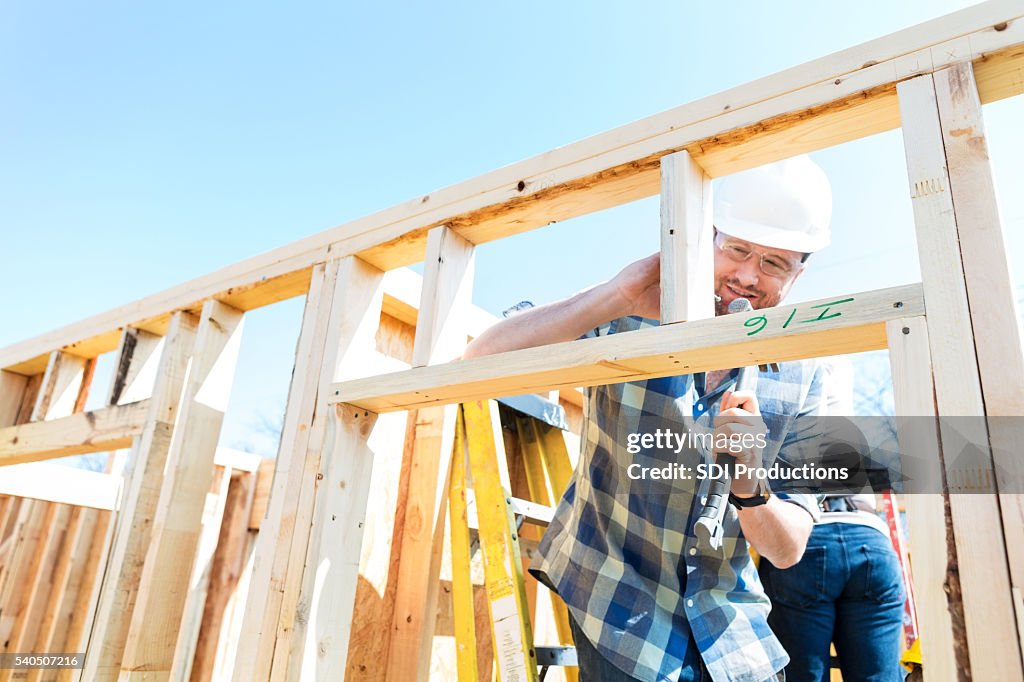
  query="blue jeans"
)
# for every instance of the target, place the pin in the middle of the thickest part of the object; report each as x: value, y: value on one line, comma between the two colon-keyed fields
x: 847, y: 590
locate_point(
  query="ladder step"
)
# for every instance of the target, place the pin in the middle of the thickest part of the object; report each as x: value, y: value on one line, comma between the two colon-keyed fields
x: 531, y: 512
x: 556, y: 655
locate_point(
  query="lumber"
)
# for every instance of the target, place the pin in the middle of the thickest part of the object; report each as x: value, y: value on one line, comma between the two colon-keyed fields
x: 133, y: 379
x: 286, y: 516
x: 81, y: 589
x: 446, y: 296
x: 842, y: 324
x: 991, y: 630
x: 225, y: 572
x: 163, y: 586
x: 58, y: 483
x: 48, y: 634
x: 62, y: 384
x: 834, y: 99
x: 687, y: 256
x: 440, y: 337
x: 138, y: 358
x: 932, y: 548
x: 100, y: 430
x: 20, y: 584
x: 138, y: 504
x: 36, y: 588
x: 12, y: 391
x: 991, y: 295
x: 317, y: 612
x: 201, y: 575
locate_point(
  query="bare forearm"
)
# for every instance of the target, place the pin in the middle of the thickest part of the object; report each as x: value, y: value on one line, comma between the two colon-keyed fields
x: 551, y: 323
x: 778, y: 531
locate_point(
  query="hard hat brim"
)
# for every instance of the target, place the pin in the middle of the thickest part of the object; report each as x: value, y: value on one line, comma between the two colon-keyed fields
x: 771, y: 236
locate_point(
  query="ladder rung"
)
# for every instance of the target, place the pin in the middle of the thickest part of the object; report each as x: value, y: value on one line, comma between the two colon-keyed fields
x: 537, y: 514
x: 556, y: 655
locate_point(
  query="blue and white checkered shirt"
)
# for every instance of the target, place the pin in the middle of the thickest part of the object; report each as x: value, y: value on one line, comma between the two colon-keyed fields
x: 622, y: 553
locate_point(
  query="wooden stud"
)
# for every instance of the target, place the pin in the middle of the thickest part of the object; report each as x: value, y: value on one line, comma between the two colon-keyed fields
x: 138, y: 359
x: 38, y: 588
x: 315, y: 627
x: 294, y: 470
x: 21, y: 580
x: 138, y: 504
x: 992, y: 640
x: 225, y: 573
x: 199, y: 585
x: 440, y: 337
x: 70, y: 528
x: 73, y: 612
x: 61, y: 386
x: 931, y: 546
x: 991, y: 295
x: 446, y: 296
x: 177, y: 523
x: 12, y: 391
x: 687, y: 240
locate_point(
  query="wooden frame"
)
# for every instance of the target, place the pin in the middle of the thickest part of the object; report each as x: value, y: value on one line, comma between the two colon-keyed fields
x: 931, y: 80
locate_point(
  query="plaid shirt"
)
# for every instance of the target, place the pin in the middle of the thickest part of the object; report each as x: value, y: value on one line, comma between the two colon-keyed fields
x: 622, y: 553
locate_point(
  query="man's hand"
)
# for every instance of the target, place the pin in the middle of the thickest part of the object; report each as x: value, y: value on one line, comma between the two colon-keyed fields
x: 739, y: 421
x: 639, y: 286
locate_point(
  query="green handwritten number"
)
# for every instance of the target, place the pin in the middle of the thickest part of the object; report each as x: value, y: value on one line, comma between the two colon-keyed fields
x: 824, y: 313
x: 754, y: 321
x: 789, y: 319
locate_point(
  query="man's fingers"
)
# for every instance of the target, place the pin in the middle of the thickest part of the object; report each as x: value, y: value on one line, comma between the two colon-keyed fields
x: 745, y: 400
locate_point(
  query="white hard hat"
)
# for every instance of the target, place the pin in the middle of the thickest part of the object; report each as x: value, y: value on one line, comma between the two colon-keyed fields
x: 784, y: 205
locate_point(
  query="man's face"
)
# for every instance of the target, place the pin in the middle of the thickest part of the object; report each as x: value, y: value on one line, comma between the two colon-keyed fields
x: 746, y: 278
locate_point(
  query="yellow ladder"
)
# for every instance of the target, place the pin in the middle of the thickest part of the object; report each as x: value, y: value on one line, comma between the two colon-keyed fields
x: 479, y: 456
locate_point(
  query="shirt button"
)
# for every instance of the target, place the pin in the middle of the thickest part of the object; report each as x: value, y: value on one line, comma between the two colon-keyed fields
x: 693, y: 550
x: 703, y: 499
x: 700, y: 406
x: 689, y: 602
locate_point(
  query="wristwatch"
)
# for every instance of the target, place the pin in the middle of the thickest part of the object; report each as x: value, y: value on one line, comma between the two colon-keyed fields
x: 747, y: 502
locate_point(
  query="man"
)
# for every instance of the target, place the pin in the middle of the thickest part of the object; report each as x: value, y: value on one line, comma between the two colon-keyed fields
x: 646, y: 602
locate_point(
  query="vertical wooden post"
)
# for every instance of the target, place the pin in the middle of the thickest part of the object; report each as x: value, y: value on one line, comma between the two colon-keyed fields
x: 932, y: 548
x: 291, y: 499
x: 317, y: 608
x: 687, y: 257
x: 62, y: 384
x: 135, y: 371
x: 198, y: 588
x: 22, y: 578
x: 138, y: 504
x: 12, y: 392
x: 440, y: 337
x: 992, y: 299
x: 991, y: 627
x: 177, y: 524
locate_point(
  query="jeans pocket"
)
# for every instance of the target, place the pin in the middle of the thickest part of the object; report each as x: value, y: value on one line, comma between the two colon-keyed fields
x: 884, y: 578
x: 800, y: 585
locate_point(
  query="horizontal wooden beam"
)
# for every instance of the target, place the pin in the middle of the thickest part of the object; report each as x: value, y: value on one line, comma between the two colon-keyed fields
x: 109, y: 428
x: 842, y: 97
x: 832, y: 326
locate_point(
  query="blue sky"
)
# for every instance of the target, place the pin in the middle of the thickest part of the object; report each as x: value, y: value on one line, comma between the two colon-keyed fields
x: 143, y: 145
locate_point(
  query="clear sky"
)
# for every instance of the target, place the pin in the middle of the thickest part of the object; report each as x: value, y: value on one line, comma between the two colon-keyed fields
x: 143, y: 145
